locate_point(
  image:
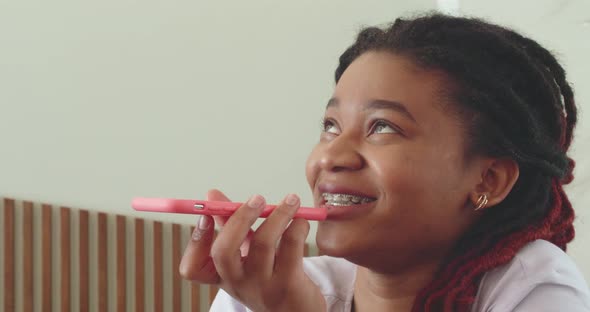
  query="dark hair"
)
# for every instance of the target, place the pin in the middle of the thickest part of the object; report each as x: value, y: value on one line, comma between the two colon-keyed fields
x: 516, y: 103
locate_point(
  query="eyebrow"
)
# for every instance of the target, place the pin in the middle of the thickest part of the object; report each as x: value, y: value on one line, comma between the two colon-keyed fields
x: 377, y: 105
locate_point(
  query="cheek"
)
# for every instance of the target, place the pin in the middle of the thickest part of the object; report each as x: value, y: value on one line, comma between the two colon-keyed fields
x: 312, y: 167
x: 418, y: 178
x: 422, y: 199
x: 398, y: 172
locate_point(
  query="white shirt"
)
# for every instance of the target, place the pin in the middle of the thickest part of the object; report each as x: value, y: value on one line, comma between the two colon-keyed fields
x: 540, y: 278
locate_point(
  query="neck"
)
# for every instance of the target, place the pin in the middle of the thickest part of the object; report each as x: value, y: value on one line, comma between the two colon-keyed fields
x: 376, y: 291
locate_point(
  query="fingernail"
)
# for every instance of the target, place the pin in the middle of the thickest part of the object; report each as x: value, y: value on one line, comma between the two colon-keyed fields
x: 197, y: 234
x: 255, y: 201
x: 204, y: 223
x: 292, y: 199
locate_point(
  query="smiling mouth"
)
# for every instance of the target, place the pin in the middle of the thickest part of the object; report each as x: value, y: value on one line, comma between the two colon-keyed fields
x: 335, y: 199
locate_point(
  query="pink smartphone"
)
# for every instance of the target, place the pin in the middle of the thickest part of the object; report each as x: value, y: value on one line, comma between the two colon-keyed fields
x: 214, y: 208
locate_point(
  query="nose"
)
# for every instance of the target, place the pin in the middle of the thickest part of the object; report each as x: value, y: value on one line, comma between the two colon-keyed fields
x: 341, y: 154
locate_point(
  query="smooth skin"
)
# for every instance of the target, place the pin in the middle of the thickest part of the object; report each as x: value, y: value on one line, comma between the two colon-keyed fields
x: 409, y: 156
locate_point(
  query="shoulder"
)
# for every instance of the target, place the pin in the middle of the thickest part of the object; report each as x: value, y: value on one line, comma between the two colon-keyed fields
x: 541, y: 277
x: 223, y: 302
x: 334, y: 277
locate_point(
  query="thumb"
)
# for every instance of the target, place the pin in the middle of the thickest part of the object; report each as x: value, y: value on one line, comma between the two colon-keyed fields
x: 217, y: 195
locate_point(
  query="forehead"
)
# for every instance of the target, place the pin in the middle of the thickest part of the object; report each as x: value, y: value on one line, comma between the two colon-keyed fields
x: 424, y: 93
x: 384, y: 75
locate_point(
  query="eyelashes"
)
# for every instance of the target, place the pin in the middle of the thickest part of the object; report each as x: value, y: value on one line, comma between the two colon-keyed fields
x: 384, y: 126
x: 327, y: 124
x: 378, y: 126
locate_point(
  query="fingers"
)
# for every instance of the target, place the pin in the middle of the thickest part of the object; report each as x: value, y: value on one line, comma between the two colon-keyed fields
x: 291, y: 248
x: 217, y: 195
x: 226, y: 248
x: 262, y: 252
x: 196, y: 264
x: 208, y: 261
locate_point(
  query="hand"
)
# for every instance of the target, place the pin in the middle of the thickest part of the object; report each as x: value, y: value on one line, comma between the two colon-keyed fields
x: 257, y: 269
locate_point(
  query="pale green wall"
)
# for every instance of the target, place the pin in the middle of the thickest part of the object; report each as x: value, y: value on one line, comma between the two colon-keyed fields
x: 102, y: 101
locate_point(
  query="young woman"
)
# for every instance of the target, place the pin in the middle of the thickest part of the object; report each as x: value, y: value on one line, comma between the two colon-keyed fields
x: 442, y: 162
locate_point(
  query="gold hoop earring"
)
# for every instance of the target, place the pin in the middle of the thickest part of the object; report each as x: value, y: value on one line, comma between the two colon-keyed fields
x: 482, y: 201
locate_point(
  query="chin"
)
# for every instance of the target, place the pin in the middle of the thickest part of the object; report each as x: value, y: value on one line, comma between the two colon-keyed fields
x: 334, y: 240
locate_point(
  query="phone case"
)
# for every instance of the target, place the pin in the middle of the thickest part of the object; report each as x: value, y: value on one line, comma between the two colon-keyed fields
x: 213, y: 208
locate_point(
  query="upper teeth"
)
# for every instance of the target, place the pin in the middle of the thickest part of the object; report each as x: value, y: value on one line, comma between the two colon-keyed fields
x: 344, y: 199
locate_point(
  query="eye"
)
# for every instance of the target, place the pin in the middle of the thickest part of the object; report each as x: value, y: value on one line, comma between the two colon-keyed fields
x: 381, y: 126
x: 329, y: 126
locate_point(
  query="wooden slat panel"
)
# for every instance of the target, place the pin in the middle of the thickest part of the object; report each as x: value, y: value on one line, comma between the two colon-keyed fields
x: 46, y: 264
x: 9, y: 303
x: 139, y: 266
x: 195, y: 291
x: 102, y: 263
x: 28, y: 292
x: 65, y: 258
x: 195, y: 297
x: 212, y: 293
x: 121, y: 267
x: 176, y: 279
x: 158, y: 272
x: 83, y: 259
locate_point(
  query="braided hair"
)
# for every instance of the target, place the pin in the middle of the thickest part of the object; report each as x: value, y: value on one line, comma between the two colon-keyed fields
x: 515, y: 101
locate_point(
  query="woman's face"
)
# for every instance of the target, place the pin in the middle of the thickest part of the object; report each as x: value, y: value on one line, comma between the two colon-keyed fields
x: 397, y: 157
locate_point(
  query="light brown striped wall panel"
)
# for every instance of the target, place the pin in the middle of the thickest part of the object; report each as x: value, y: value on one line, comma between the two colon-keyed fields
x: 144, y: 258
x: 9, y: 255
x: 83, y: 259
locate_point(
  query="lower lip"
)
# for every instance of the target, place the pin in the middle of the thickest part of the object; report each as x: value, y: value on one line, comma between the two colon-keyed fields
x: 348, y: 212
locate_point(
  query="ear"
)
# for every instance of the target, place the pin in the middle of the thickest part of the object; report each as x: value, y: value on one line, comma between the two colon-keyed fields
x: 498, y: 176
